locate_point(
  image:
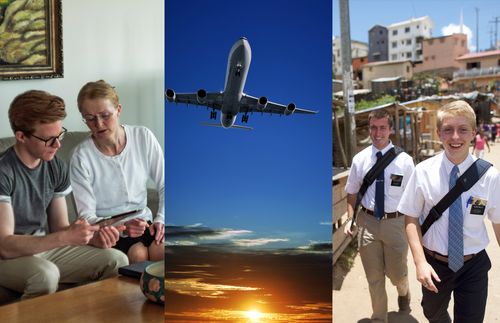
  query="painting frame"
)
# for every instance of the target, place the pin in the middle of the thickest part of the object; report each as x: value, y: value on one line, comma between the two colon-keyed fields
x: 52, y: 39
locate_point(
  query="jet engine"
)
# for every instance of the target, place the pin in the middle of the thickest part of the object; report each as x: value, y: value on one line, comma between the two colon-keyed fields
x: 262, y: 103
x: 290, y: 109
x: 170, y: 94
x: 201, y: 96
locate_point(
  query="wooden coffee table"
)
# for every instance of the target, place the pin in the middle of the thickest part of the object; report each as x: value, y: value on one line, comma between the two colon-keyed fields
x: 117, y: 299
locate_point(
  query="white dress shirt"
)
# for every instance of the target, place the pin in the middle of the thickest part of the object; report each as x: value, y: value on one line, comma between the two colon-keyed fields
x: 396, y: 175
x: 430, y: 182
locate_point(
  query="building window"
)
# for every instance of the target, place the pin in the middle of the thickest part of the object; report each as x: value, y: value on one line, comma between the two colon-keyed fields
x: 408, y: 42
x: 394, y: 32
x: 380, y: 32
x: 463, y: 43
x: 426, y: 58
x: 472, y: 65
x: 433, y: 57
x: 441, y: 40
x: 402, y: 42
x: 370, y: 68
x: 418, y: 26
x: 430, y: 41
x: 407, y: 69
x: 498, y: 63
x: 382, y: 42
x: 394, y: 57
x: 419, y: 52
x: 394, y: 44
x: 407, y: 29
x: 408, y: 54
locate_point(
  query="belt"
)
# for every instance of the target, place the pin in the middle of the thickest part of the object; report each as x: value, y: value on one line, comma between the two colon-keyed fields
x: 391, y: 215
x: 444, y: 258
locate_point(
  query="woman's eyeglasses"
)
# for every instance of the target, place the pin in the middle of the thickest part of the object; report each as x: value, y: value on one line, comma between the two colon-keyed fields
x: 90, y: 118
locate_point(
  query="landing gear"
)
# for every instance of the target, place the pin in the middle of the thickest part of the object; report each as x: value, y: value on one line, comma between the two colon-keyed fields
x: 244, y: 118
x: 213, y: 115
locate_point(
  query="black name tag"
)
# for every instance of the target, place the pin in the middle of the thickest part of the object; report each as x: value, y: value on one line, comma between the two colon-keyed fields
x: 478, y: 206
x: 396, y: 180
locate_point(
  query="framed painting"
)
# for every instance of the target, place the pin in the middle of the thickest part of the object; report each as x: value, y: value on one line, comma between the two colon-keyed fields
x: 30, y: 39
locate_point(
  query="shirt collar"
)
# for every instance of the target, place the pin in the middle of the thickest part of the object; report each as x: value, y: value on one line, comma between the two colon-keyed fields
x: 462, y: 167
x: 386, y: 149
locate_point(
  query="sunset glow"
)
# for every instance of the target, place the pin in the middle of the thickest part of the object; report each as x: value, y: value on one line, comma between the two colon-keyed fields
x: 254, y: 315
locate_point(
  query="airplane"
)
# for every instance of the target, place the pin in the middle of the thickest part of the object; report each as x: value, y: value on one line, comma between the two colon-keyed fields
x: 232, y: 100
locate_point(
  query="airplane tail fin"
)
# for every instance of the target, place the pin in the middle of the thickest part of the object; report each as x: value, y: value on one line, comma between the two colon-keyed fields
x: 220, y: 126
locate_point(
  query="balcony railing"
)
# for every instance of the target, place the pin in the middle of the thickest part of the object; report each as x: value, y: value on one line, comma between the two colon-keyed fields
x: 475, y: 72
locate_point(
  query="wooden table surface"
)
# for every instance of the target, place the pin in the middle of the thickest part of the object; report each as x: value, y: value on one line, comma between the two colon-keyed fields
x: 116, y: 299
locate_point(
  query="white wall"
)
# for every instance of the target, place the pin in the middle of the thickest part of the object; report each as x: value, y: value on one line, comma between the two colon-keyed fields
x: 120, y: 41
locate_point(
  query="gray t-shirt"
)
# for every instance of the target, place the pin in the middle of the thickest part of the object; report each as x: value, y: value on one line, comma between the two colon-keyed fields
x: 30, y: 191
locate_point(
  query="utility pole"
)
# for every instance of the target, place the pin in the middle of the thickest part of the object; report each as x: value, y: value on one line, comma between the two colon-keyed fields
x: 477, y: 29
x: 496, y: 21
x: 349, y: 117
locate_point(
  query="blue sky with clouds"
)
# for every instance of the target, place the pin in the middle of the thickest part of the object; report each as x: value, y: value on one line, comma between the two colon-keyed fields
x: 270, y: 186
x: 445, y: 15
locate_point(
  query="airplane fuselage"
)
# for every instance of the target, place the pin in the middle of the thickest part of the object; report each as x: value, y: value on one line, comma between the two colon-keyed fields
x: 236, y: 75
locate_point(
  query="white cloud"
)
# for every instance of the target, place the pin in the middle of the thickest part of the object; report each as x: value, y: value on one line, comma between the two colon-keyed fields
x: 180, y: 243
x: 226, y: 234
x: 256, y: 242
x: 455, y: 29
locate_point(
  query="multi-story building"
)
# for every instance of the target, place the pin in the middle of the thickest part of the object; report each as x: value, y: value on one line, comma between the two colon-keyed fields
x: 440, y: 54
x: 378, y: 41
x: 478, y: 71
x: 405, y: 38
x: 358, y: 49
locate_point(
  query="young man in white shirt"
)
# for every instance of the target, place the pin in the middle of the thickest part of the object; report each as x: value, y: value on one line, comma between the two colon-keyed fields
x: 451, y: 256
x: 382, y: 242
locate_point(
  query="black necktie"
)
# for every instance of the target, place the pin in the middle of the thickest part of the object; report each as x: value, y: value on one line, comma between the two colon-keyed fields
x: 379, y: 192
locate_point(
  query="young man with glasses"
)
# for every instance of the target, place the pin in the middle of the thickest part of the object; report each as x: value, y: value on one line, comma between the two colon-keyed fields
x: 38, y: 247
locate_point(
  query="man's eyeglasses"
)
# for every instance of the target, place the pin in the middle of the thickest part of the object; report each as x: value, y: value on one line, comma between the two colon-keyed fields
x: 49, y: 142
x: 90, y: 118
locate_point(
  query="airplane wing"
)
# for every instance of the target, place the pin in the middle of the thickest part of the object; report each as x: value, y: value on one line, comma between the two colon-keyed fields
x: 212, y: 100
x: 251, y: 104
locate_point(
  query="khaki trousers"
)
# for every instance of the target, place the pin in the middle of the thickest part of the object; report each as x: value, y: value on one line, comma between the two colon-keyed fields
x: 383, y: 248
x: 42, y: 273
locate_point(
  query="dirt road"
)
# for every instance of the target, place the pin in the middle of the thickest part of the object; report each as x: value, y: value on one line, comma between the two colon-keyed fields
x: 352, y: 301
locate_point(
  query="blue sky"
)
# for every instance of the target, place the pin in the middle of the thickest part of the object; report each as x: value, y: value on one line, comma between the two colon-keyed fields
x: 273, y: 182
x: 364, y: 14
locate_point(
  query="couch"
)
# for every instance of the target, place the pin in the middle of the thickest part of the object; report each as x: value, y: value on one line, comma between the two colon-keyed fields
x: 71, y: 139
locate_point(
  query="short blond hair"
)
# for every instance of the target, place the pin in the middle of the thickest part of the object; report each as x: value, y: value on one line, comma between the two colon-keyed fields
x: 456, y: 108
x: 97, y: 90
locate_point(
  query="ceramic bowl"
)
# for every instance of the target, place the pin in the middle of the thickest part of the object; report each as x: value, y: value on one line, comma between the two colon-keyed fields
x: 153, y: 282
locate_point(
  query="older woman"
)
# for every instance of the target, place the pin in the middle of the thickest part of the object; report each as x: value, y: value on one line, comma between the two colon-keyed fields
x: 109, y: 172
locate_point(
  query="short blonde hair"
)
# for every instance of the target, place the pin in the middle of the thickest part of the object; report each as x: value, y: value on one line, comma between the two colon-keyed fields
x: 456, y: 108
x: 97, y: 90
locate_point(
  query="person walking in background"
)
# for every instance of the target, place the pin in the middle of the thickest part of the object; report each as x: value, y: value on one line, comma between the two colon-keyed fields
x: 451, y: 257
x: 494, y: 130
x: 382, y: 241
x: 479, y: 141
x: 109, y: 174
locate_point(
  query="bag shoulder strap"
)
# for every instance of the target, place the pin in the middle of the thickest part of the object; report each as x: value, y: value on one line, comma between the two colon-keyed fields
x: 464, y: 183
x: 376, y: 169
x: 372, y: 174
